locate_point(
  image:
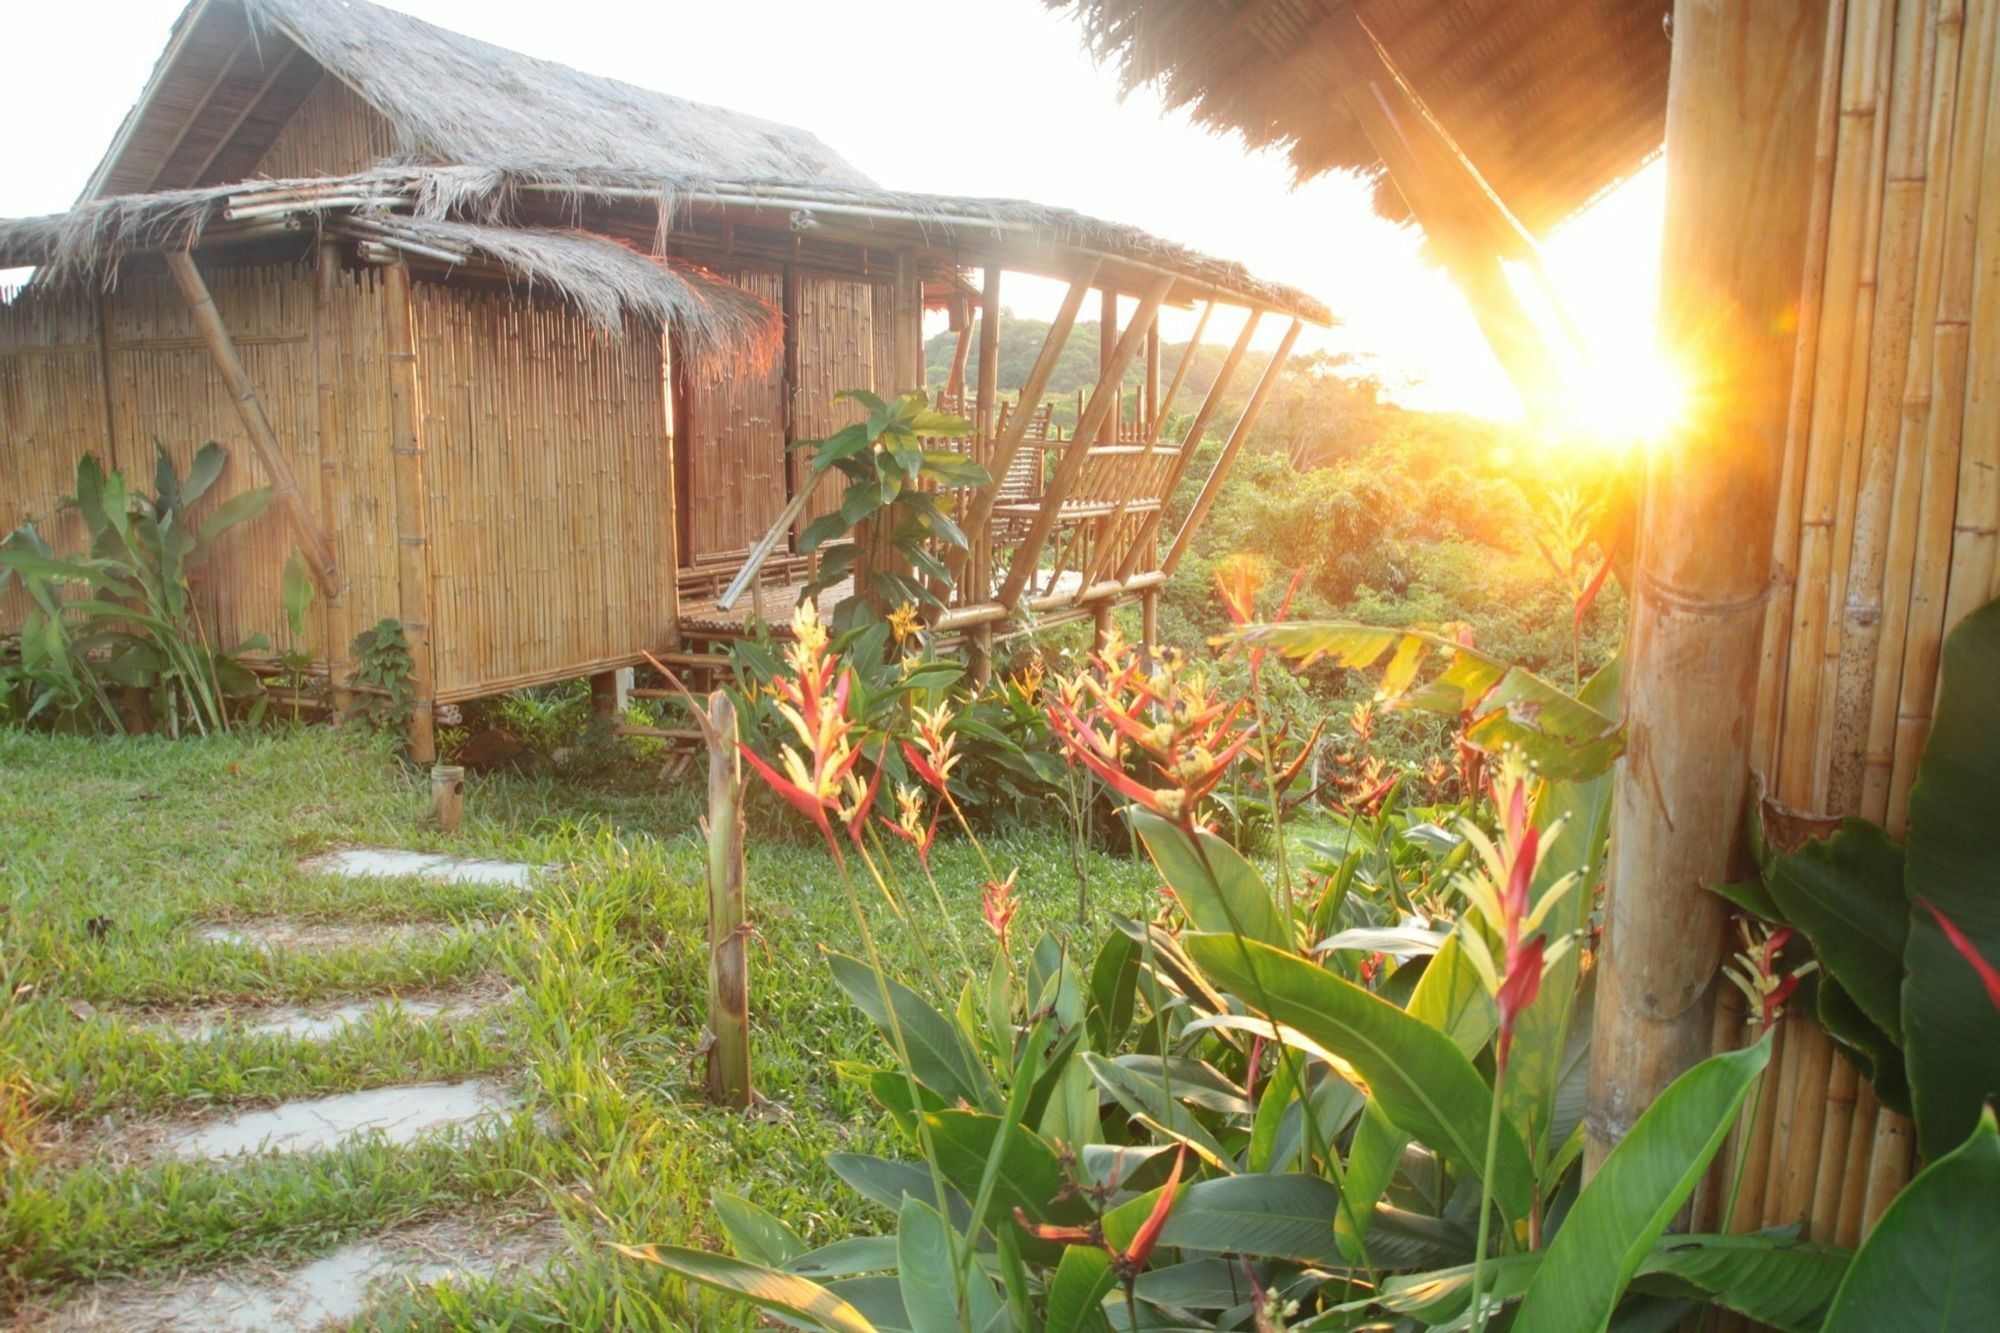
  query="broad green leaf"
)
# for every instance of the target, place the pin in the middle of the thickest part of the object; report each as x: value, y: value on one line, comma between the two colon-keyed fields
x: 783, y: 1293
x: 1951, y: 1034
x: 926, y: 1268
x: 238, y: 508
x: 1076, y: 1293
x: 1930, y: 1262
x: 847, y: 1258
x: 1030, y: 1175
x: 209, y: 460
x: 295, y: 592
x: 1626, y: 1206
x: 888, y: 1183
x: 1874, y: 1052
x: 1422, y: 1081
x: 821, y: 530
x: 754, y: 1234
x: 1288, y: 1216
x: 880, y: 1301
x: 1113, y: 990
x: 943, y: 1059
x: 1215, y: 886
x: 1845, y: 894
x: 1199, y: 1284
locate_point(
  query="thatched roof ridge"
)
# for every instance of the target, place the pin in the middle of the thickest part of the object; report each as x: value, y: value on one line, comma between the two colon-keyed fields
x: 1553, y: 100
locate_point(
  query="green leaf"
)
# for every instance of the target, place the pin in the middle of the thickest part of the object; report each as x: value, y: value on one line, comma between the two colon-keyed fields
x: 208, y: 463
x: 1951, y: 1034
x: 846, y: 1258
x: 1288, y: 1216
x: 1113, y: 990
x: 782, y: 1293
x: 295, y: 592
x: 1636, y: 1192
x: 941, y: 1057
x: 1030, y: 1175
x: 821, y: 530
x: 755, y: 1234
x: 1874, y: 1052
x: 888, y: 1183
x: 1787, y: 1284
x: 1929, y: 1264
x: 238, y: 508
x: 925, y: 1266
x: 1845, y: 894
x: 1219, y: 890
x: 1076, y: 1293
x: 1422, y: 1081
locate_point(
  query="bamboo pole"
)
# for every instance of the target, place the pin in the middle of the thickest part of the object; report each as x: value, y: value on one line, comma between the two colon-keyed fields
x: 447, y: 796
x: 980, y: 567
x: 1102, y: 402
x: 284, y: 485
x: 980, y: 517
x: 1741, y: 118
x: 728, y: 960
x: 337, y: 611
x: 411, y: 510
x: 1184, y: 456
x: 1238, y: 437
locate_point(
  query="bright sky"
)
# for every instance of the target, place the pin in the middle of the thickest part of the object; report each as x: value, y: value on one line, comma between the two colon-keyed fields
x: 992, y: 97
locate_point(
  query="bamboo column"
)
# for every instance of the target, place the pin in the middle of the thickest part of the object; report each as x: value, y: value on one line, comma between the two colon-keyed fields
x: 337, y: 612
x: 728, y: 961
x: 980, y: 568
x: 250, y: 409
x: 1741, y: 121
x: 411, y: 503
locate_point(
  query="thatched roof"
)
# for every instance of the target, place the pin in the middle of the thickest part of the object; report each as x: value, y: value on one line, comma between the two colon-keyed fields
x: 608, y: 282
x: 1553, y: 100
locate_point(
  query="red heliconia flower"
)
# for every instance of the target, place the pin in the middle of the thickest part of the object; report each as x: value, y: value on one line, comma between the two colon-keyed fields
x: 1133, y: 1260
x: 1238, y: 578
x: 796, y: 796
x: 998, y: 904
x: 1527, y: 845
x: 1989, y: 976
x: 1522, y: 984
x: 931, y: 777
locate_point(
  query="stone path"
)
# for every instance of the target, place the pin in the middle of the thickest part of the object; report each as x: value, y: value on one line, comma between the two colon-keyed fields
x: 398, y: 1114
x: 332, y: 1288
x: 375, y: 863
x: 325, y: 1021
x: 279, y: 933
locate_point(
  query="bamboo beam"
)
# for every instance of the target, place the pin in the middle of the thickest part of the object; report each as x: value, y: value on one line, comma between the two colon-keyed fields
x: 256, y: 100
x: 1741, y: 122
x: 411, y: 504
x: 1184, y: 457
x: 1103, y: 400
x: 1212, y: 487
x: 250, y: 410
x: 980, y: 516
x: 954, y: 383
x: 1107, y: 333
x: 337, y: 613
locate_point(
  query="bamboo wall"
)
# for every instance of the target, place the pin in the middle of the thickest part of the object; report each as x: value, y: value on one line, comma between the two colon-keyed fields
x: 1888, y: 513
x: 550, y: 501
x: 333, y: 133
x: 733, y: 445
x: 834, y: 340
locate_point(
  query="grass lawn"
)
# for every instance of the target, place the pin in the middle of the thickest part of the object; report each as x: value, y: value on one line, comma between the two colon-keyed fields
x: 114, y: 855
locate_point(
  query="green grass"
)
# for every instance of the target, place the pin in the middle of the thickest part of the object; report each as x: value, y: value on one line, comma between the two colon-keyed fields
x: 113, y: 855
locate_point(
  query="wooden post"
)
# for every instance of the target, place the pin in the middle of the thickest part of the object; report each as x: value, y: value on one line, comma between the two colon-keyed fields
x: 1237, y: 438
x: 284, y: 486
x: 606, y: 698
x: 1103, y: 400
x: 728, y: 961
x: 1107, y: 338
x: 1100, y: 623
x: 412, y: 501
x: 448, y: 795
x: 1741, y: 107
x: 337, y: 613
x: 1142, y: 541
x: 980, y: 566
x: 1149, y: 622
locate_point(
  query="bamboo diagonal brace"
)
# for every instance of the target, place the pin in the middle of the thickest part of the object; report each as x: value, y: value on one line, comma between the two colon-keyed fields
x: 313, y: 544
x: 1237, y: 438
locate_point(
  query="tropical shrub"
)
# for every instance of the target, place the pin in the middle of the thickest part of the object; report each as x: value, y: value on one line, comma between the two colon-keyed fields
x: 137, y: 623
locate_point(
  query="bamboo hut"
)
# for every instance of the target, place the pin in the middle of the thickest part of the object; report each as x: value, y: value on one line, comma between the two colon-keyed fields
x: 520, y: 350
x: 1828, y: 510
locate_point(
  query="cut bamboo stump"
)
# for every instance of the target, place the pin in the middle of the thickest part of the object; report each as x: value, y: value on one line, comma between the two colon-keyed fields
x: 728, y: 962
x: 448, y: 796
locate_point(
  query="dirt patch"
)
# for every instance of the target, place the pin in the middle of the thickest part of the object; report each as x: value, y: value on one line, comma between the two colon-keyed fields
x: 330, y: 1289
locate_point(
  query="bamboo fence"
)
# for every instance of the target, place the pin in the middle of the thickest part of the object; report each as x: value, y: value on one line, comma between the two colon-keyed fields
x: 1889, y: 505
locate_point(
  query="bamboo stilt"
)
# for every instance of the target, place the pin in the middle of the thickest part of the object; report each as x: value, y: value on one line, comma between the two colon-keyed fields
x: 1739, y: 185
x: 411, y: 507
x: 447, y: 796
x: 336, y: 609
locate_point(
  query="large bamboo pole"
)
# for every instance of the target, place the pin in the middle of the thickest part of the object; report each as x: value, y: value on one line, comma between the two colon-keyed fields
x: 728, y: 960
x: 1741, y: 123
x: 1212, y: 487
x: 980, y: 566
x: 411, y: 505
x: 250, y: 410
x: 1104, y: 401
x: 337, y: 611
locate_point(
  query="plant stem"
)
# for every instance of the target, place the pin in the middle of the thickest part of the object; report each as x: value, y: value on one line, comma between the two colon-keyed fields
x: 1486, y: 1201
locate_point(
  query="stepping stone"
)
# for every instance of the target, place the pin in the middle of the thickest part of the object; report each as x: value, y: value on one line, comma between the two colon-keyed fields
x: 331, y: 1289
x: 322, y: 1022
x: 372, y: 863
x: 276, y: 933
x: 397, y: 1115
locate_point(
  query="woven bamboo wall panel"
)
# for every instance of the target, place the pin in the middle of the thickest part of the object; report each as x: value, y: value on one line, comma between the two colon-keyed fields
x: 165, y: 390
x: 835, y: 338
x: 882, y: 302
x: 734, y: 440
x: 545, y: 461
x: 333, y: 133
x: 1887, y: 518
x: 52, y: 411
x: 357, y: 479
